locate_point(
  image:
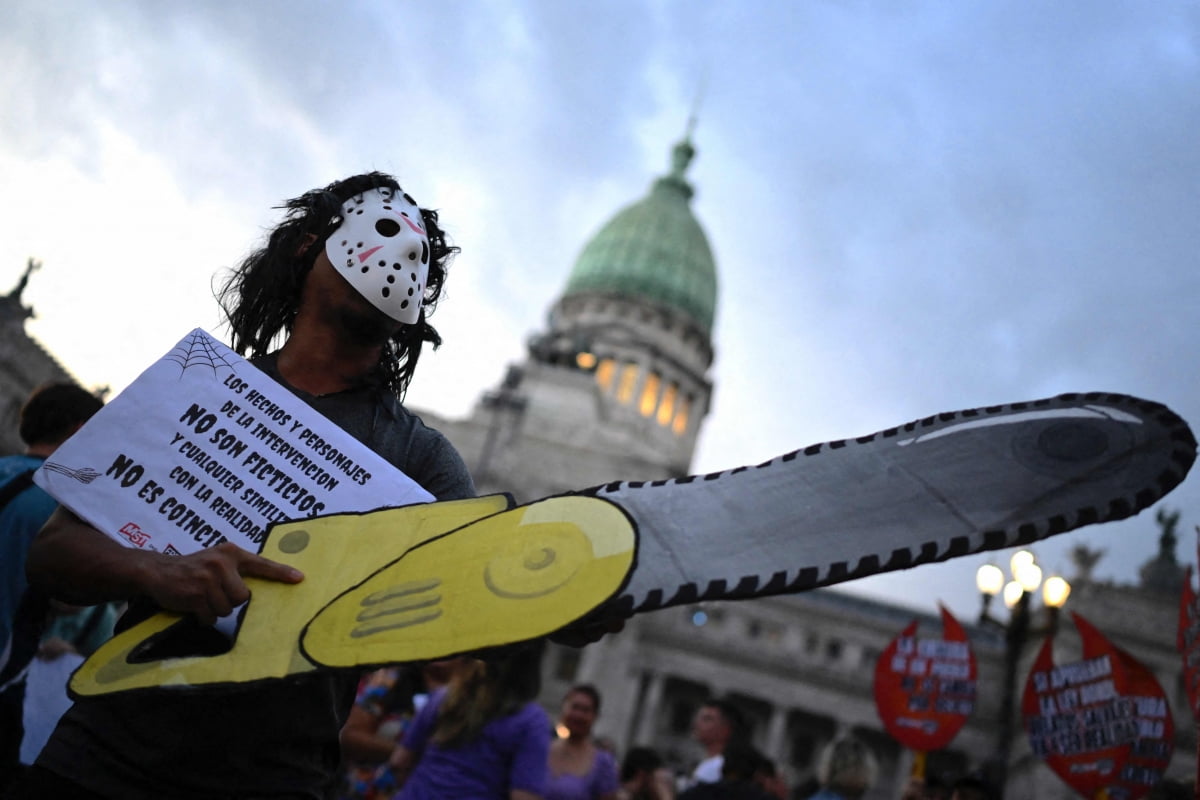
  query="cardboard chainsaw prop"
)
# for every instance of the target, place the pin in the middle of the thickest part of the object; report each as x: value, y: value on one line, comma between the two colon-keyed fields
x: 204, y: 448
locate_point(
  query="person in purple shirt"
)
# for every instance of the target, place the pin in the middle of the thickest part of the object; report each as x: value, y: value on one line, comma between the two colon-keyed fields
x: 579, y: 769
x: 481, y: 738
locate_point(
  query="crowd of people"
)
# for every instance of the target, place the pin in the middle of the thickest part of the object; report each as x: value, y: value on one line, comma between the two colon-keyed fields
x: 394, y: 748
x: 475, y: 731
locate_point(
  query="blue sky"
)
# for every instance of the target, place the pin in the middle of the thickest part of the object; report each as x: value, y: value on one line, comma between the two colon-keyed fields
x: 915, y: 207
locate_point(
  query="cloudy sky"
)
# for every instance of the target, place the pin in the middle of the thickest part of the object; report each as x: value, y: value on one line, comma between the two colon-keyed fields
x: 915, y: 207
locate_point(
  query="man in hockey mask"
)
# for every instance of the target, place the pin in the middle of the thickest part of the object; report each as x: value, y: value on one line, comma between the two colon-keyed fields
x: 343, y: 288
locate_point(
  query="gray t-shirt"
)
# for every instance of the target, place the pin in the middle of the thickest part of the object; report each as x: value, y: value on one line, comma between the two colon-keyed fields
x: 276, y: 738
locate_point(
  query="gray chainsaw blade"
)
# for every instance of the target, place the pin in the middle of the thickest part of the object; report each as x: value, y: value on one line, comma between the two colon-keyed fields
x: 933, y: 489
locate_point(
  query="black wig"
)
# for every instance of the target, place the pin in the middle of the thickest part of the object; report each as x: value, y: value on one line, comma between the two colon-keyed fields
x: 262, y: 295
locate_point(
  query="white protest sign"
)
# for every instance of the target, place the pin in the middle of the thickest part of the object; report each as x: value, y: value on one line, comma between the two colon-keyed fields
x: 203, y: 448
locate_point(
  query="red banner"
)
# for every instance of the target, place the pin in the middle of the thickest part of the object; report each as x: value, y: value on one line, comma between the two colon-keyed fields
x: 1101, y: 723
x: 925, y: 688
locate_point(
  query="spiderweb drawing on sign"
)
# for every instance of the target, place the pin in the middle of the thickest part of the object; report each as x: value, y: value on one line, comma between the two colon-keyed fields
x: 198, y: 350
x: 84, y: 475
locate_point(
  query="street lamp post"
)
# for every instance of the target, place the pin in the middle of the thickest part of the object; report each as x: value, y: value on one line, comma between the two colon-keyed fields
x: 1026, y: 577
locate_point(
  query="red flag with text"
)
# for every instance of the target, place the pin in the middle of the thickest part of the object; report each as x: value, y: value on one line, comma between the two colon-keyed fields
x: 1102, y: 723
x: 925, y: 688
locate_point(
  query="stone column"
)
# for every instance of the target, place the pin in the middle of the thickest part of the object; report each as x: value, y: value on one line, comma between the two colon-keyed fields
x: 776, y: 741
x: 647, y: 714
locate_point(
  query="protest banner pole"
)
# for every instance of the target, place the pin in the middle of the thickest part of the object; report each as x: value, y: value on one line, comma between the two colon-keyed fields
x: 925, y: 689
x: 918, y: 765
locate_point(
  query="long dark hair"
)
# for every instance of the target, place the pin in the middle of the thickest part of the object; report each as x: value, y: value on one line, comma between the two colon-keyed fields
x: 482, y: 691
x: 54, y: 410
x: 262, y: 295
x: 587, y: 690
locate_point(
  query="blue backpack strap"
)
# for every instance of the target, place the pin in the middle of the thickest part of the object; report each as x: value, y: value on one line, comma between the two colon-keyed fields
x: 31, y: 609
x: 20, y: 483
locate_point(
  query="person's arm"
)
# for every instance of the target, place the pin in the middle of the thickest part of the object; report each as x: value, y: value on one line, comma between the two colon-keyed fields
x: 360, y: 738
x: 407, y: 754
x: 73, y: 561
x: 531, y: 754
x: 53, y: 648
x: 605, y: 784
x: 401, y: 763
x: 663, y: 784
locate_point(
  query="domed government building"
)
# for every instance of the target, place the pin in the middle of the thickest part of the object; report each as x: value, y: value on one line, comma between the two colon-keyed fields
x: 617, y: 385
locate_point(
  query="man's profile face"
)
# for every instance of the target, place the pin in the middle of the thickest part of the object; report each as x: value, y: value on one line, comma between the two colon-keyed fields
x: 709, y: 726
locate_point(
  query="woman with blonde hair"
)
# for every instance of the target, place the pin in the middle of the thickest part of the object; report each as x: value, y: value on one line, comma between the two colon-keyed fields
x: 482, y: 737
x: 847, y: 770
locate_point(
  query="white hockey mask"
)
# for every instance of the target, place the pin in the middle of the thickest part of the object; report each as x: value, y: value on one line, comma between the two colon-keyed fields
x: 382, y: 249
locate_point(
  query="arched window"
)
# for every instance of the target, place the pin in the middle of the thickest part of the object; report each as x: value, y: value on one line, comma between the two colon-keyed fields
x: 649, y: 399
x: 604, y: 374
x: 666, y: 408
x: 629, y: 374
x: 681, y: 416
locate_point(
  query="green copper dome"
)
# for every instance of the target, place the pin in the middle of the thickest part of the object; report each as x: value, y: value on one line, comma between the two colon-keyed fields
x: 654, y: 250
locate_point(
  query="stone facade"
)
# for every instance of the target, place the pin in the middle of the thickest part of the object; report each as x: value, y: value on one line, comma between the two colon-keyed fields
x: 24, y: 363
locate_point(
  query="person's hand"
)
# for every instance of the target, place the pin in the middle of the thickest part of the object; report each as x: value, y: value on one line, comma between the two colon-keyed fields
x: 53, y: 648
x: 208, y: 584
x: 915, y: 790
x: 400, y: 763
x: 578, y: 636
x: 60, y: 609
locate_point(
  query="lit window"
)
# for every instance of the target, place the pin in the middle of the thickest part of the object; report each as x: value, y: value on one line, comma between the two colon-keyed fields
x: 667, y: 407
x: 649, y: 395
x: 681, y: 416
x: 604, y: 374
x: 585, y: 360
x: 625, y: 388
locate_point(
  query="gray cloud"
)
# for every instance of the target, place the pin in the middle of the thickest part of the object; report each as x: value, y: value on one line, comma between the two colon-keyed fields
x: 914, y: 208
